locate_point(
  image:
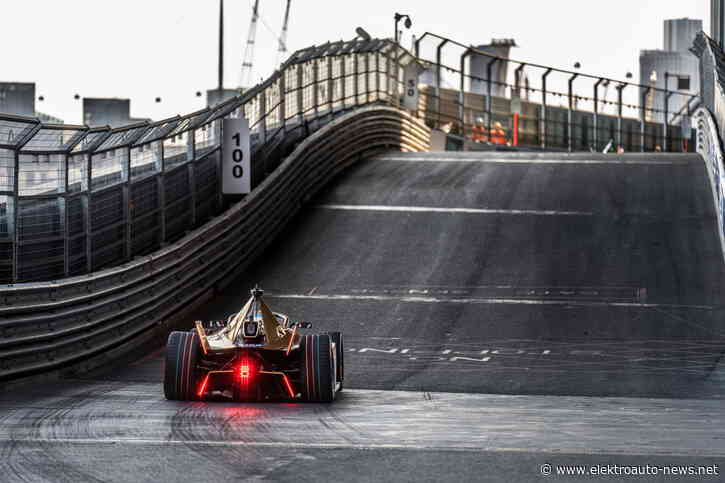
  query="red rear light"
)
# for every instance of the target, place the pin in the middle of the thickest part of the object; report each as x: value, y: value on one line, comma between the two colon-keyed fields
x: 202, y: 390
x: 245, y: 371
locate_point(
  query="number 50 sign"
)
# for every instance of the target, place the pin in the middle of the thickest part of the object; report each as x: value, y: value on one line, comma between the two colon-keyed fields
x: 236, y: 165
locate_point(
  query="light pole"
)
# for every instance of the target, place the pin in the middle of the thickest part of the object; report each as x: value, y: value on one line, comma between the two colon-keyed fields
x: 408, y: 23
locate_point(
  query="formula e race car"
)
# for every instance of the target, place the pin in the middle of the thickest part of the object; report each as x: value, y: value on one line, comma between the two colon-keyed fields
x: 254, y: 355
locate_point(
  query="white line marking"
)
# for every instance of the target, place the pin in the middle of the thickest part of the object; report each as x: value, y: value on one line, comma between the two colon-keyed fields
x: 487, y: 300
x: 632, y: 162
x: 430, y: 209
x: 361, y: 446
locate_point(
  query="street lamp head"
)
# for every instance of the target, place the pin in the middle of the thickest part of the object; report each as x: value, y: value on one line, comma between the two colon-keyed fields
x: 653, y: 76
x: 362, y: 33
x: 400, y: 16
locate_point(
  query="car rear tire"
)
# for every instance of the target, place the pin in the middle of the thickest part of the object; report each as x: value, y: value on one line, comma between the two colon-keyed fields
x: 318, y: 369
x: 182, y: 352
x: 339, y: 349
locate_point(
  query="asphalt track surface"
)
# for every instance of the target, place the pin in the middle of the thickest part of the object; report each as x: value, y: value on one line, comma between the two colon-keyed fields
x: 500, y: 312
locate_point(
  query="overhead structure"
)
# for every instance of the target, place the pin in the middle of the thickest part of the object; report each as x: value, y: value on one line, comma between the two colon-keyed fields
x: 248, y: 61
x: 282, y: 52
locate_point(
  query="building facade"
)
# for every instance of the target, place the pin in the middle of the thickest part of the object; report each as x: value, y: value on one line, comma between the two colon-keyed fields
x: 717, y: 21
x: 479, y: 66
x: 673, y: 68
x: 17, y: 98
x: 99, y: 112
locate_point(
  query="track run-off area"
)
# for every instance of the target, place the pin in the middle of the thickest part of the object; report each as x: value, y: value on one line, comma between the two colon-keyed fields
x: 500, y: 312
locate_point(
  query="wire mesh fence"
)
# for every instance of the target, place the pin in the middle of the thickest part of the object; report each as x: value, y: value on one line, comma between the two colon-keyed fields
x: 484, y: 97
x: 75, y: 200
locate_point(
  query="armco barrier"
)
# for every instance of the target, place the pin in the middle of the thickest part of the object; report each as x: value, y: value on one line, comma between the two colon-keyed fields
x: 709, y: 146
x: 48, y: 326
x: 710, y: 119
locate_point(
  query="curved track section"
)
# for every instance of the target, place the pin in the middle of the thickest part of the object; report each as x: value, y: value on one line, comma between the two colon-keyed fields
x: 485, y: 298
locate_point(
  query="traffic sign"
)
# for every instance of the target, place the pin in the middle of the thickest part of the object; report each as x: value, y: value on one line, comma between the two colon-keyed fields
x: 236, y: 158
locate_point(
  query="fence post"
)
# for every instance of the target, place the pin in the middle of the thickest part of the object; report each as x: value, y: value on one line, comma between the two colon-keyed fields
x: 489, y: 73
x: 66, y: 241
x: 191, y: 169
x: 462, y: 95
x: 596, y: 113
x: 543, y: 107
x: 570, y: 108
x: 283, y: 101
x: 438, y: 79
x: 263, y: 116
x: 330, y: 85
x: 315, y: 87
x: 643, y: 117
x: 355, y: 84
x: 343, y: 81
x: 620, y: 88
x: 300, y: 96
x: 16, y: 210
x: 127, y: 208
x: 88, y: 212
x: 161, y: 187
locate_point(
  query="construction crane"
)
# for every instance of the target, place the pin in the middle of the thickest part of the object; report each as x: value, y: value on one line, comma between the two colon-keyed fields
x: 247, y: 62
x: 282, y: 52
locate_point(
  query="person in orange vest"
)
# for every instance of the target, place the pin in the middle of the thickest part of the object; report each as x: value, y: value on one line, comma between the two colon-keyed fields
x: 498, y: 135
x: 479, y: 134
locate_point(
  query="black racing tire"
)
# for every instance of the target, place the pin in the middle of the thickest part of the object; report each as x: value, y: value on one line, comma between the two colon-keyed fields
x: 339, y: 348
x: 318, y: 369
x: 182, y: 353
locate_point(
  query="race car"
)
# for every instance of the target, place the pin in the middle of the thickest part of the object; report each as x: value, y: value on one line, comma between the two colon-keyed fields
x: 253, y: 355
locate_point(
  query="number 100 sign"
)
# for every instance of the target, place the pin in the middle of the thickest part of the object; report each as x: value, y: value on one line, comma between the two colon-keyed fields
x: 236, y: 165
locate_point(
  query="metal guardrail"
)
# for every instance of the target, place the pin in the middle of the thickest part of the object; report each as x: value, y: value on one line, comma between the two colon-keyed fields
x: 46, y: 326
x: 75, y: 200
x: 710, y: 119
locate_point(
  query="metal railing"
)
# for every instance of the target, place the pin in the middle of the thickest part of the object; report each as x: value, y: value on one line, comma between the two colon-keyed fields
x: 584, y: 118
x: 75, y: 200
x: 711, y: 121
